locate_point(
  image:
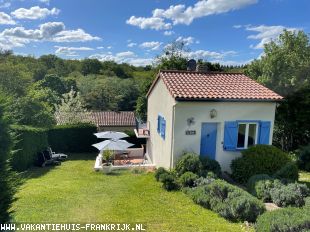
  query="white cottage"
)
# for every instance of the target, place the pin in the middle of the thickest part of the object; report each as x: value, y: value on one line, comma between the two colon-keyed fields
x: 211, y: 114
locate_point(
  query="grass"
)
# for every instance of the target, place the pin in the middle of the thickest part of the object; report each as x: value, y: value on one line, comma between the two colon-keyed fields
x: 304, y: 177
x: 74, y: 193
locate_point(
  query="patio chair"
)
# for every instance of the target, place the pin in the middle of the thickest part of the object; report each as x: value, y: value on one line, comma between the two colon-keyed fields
x: 44, y: 159
x: 57, y: 156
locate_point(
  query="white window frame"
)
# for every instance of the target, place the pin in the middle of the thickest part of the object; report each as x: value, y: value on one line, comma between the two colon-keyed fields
x: 246, y: 139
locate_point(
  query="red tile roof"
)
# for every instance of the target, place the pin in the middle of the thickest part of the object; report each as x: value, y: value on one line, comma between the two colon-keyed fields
x: 186, y: 85
x: 103, y: 118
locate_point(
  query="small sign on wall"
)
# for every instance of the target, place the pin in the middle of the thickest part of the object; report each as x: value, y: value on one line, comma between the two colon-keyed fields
x: 190, y: 132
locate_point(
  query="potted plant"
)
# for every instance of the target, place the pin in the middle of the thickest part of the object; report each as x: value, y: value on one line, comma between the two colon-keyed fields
x: 107, y: 157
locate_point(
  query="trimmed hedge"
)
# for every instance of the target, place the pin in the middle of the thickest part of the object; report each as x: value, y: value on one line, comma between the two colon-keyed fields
x: 293, y: 194
x: 30, y: 141
x: 260, y: 185
x: 169, y: 181
x: 192, y: 162
x: 72, y: 138
x: 284, y: 220
x: 188, y: 179
x: 227, y: 200
x: 8, y: 179
x: 159, y: 171
x: 304, y: 158
x: 258, y: 159
x: 289, y: 172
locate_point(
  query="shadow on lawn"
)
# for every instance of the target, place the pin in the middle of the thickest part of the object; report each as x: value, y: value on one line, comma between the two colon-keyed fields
x: 36, y: 172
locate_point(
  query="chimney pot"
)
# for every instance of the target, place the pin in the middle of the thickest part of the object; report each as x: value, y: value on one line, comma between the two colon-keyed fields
x: 191, y: 65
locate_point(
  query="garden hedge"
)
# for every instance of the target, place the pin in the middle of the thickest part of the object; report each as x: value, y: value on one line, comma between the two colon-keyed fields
x: 227, y: 200
x: 72, y: 138
x: 8, y: 179
x: 284, y: 220
x: 259, y: 159
x: 30, y: 141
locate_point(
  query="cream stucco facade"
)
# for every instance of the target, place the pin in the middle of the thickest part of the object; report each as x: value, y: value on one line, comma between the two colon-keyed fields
x: 165, y: 152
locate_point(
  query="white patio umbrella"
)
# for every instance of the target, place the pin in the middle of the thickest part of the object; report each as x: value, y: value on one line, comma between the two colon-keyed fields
x: 114, y: 145
x: 110, y: 135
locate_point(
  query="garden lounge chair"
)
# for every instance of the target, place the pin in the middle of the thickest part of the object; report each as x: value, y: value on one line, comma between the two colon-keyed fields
x: 44, y: 159
x: 57, y: 156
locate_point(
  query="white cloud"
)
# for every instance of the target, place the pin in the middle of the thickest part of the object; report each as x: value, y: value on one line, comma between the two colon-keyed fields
x: 51, y: 31
x: 123, y: 57
x: 168, y: 33
x: 232, y: 62
x: 5, y: 4
x: 152, y: 45
x: 109, y: 47
x: 186, y: 40
x: 130, y: 45
x: 47, y: 2
x: 100, y: 47
x: 6, y: 19
x: 74, y: 36
x: 237, y: 26
x: 149, y: 23
x: 35, y: 12
x: 70, y: 51
x: 205, y: 54
x: 180, y: 14
x: 265, y: 34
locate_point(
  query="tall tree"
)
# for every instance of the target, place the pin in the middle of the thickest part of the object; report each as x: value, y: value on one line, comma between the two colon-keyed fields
x: 7, y: 177
x: 91, y: 66
x: 71, y: 109
x: 173, y: 57
x: 285, y: 65
x: 285, y: 68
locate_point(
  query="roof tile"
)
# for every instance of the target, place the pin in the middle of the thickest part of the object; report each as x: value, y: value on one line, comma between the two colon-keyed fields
x: 195, y: 85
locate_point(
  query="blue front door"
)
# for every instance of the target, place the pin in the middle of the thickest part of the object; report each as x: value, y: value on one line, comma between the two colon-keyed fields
x: 208, y: 140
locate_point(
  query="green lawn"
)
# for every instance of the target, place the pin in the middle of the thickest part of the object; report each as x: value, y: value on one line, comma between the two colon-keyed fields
x: 304, y: 177
x: 73, y: 192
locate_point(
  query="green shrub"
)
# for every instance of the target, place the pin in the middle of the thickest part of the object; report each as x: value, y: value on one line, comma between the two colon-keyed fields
x: 293, y: 194
x: 288, y: 171
x: 206, y: 180
x: 304, y: 158
x: 210, y: 165
x: 284, y: 220
x: 7, y: 177
x: 260, y: 186
x: 159, y: 171
x: 227, y: 200
x: 256, y: 160
x: 189, y: 162
x: 30, y: 141
x: 73, y: 138
x: 188, y: 179
x: 307, y: 203
x: 169, y: 181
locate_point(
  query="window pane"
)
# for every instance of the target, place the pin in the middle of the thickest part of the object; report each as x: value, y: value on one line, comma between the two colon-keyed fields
x: 252, y: 135
x: 241, y: 135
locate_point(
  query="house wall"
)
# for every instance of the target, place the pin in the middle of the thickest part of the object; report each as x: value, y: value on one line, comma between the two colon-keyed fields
x: 226, y: 111
x: 160, y: 102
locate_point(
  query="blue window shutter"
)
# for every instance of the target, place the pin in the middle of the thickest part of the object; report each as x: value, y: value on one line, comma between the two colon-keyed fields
x: 163, y: 128
x: 158, y: 123
x: 230, y: 135
x: 264, y: 132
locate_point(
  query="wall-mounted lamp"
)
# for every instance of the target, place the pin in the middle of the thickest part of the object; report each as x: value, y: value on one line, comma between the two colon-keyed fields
x: 213, y: 113
x: 190, y: 121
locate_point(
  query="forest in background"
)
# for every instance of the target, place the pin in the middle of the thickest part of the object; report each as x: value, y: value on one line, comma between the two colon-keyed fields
x: 35, y: 88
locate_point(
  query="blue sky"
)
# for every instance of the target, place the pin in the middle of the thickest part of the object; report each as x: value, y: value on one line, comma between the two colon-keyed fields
x: 135, y: 31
